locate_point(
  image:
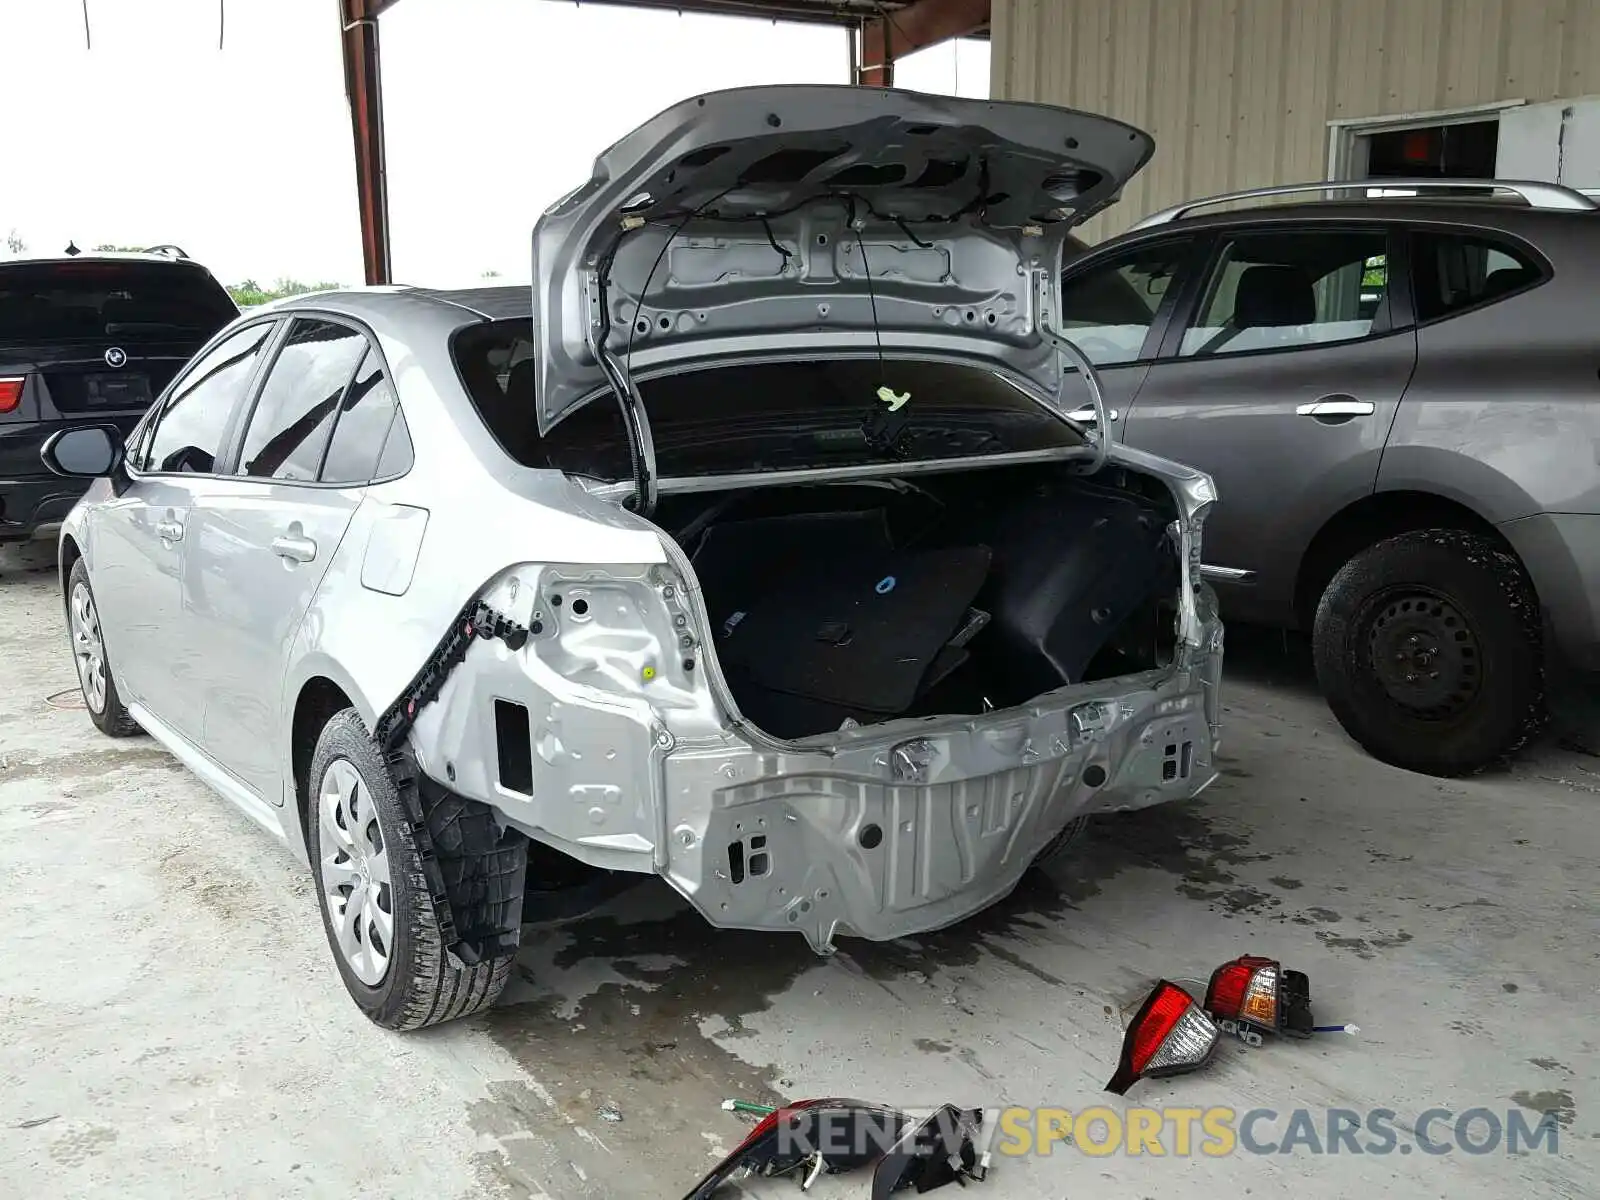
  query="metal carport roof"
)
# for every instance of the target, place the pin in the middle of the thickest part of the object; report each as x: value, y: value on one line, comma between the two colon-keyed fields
x: 885, y: 30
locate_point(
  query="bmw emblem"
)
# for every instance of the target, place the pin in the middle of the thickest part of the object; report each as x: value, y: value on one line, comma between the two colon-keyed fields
x: 116, y: 356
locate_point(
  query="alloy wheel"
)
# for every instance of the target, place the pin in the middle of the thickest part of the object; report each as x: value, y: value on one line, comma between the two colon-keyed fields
x: 88, y: 647
x: 356, y: 884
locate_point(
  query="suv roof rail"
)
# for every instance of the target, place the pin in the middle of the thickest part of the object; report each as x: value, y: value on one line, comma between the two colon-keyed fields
x: 1532, y: 192
x: 167, y: 250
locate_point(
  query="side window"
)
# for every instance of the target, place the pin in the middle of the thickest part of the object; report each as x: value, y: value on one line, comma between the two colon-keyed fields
x: 1278, y: 291
x: 188, y: 434
x: 1455, y: 272
x: 1109, y: 309
x: 358, y: 452
x: 299, y: 400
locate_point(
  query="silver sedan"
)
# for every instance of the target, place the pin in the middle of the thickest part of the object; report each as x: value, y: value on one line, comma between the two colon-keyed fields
x: 764, y: 547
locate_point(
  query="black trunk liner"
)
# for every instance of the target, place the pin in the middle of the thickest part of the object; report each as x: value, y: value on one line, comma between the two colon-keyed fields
x: 856, y: 631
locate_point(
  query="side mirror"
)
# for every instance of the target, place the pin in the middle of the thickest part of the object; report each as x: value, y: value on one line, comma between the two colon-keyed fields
x: 87, y: 452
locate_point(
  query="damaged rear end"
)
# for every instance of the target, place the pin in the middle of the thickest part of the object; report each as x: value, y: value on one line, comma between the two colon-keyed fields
x: 909, y: 621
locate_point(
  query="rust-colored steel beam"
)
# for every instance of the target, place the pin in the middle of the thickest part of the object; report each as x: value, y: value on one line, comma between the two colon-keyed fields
x: 893, y: 35
x: 358, y: 23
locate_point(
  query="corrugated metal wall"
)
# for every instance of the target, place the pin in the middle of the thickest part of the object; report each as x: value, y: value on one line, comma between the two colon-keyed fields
x: 1239, y: 93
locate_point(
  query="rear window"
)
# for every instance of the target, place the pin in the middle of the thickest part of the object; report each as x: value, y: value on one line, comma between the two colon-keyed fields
x: 98, y: 298
x: 761, y: 417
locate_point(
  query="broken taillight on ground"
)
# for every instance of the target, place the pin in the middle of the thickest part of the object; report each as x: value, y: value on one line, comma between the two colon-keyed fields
x: 1253, y: 995
x: 810, y: 1138
x: 1169, y: 1035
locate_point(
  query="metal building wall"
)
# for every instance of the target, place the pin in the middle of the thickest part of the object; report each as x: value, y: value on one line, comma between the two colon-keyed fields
x: 1239, y: 93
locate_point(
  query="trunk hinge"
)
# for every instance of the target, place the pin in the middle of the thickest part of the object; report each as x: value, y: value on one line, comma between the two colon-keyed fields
x: 1097, y: 431
x: 641, y: 446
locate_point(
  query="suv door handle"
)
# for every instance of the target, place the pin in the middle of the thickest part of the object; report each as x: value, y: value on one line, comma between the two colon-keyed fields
x: 295, y: 549
x: 1086, y: 414
x: 169, y: 531
x: 1338, y: 406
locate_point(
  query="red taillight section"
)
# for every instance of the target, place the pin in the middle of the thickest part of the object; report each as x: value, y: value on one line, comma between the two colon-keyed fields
x: 11, y: 393
x: 1169, y: 1035
x: 1163, y: 1011
x: 1245, y: 988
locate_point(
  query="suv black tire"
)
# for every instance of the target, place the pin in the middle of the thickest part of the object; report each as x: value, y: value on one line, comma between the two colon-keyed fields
x: 1428, y: 648
x: 112, y: 719
x: 424, y: 983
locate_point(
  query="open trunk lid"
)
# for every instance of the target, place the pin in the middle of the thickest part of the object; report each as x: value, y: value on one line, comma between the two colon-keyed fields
x: 801, y: 220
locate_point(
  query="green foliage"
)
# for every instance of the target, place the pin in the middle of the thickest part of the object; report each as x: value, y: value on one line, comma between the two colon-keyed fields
x: 250, y: 293
x: 14, y: 243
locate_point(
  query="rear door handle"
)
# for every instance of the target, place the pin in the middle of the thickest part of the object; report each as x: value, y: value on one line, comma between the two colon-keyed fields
x: 1086, y: 414
x: 1337, y: 407
x: 295, y: 549
x: 169, y: 531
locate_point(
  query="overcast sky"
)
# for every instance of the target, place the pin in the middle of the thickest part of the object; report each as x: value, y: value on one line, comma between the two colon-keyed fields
x: 493, y: 108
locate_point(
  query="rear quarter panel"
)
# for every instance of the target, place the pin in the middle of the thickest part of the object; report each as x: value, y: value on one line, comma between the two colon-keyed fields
x: 1503, y: 411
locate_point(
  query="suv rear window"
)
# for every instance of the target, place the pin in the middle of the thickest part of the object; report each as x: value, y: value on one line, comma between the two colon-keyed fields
x: 101, y: 298
x: 1455, y: 272
x: 760, y: 417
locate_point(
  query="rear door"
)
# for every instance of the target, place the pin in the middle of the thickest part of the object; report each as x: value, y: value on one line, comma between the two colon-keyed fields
x: 1281, y: 379
x: 139, y: 535
x: 264, y: 534
x: 1114, y: 307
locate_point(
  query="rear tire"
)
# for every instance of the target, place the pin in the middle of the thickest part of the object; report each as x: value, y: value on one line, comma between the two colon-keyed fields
x: 383, y: 924
x: 1428, y: 648
x: 1062, y: 845
x: 95, y: 680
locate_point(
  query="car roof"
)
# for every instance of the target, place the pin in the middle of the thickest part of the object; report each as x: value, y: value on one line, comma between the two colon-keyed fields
x: 401, y: 306
x: 1471, y: 212
x: 127, y: 256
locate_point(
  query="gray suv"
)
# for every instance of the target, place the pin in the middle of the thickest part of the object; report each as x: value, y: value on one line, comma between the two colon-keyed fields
x: 1397, y: 398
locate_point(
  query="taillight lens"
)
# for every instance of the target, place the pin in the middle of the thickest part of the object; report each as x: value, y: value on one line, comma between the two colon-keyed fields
x: 1260, y: 993
x: 1169, y: 1035
x: 11, y: 393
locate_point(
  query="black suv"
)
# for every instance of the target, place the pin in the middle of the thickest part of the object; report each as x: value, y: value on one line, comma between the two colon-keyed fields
x: 89, y: 339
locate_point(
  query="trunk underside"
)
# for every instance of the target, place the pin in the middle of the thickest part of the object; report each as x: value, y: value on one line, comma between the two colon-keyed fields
x: 930, y: 595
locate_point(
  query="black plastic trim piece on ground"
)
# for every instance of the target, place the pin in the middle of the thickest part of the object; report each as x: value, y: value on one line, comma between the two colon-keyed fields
x: 476, y: 620
x: 475, y: 870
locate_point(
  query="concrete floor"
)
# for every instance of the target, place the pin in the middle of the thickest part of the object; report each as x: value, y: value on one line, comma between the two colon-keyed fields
x: 173, y: 1025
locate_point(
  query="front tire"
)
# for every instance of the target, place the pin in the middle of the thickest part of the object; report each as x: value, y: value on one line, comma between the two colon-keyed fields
x: 95, y: 680
x: 1428, y: 649
x: 382, y: 920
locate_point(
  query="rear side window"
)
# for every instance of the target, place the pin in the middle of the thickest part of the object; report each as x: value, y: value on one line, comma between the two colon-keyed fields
x: 188, y: 434
x: 1109, y: 309
x: 1282, y: 291
x: 369, y: 418
x: 1455, y: 272
x: 300, y: 400
x: 101, y: 298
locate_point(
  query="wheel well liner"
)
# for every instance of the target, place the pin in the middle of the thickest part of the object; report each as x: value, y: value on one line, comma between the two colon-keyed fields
x: 320, y: 698
x: 70, y: 554
x: 1368, y: 521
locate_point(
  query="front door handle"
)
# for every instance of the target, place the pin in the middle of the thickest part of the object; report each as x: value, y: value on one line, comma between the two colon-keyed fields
x: 295, y: 549
x: 169, y: 531
x: 1336, y: 409
x: 1085, y: 415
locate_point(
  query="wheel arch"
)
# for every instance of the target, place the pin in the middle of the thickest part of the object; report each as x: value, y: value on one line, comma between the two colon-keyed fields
x: 317, y: 701
x: 1369, y: 520
x: 68, y: 556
